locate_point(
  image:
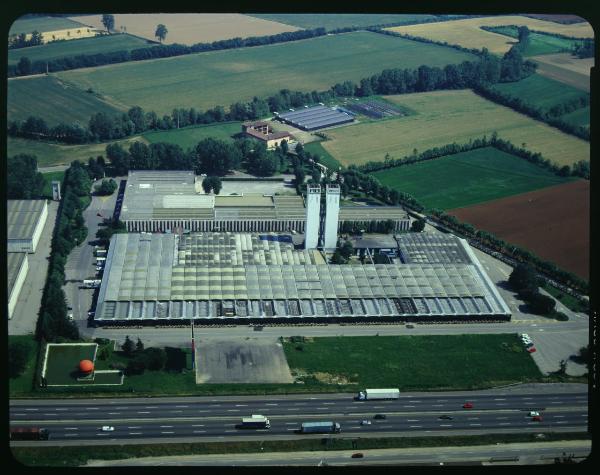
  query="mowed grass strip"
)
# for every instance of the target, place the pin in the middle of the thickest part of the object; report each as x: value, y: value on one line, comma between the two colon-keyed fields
x: 49, y: 154
x: 190, y: 136
x: 88, y: 46
x: 52, y: 100
x: 416, y: 362
x: 444, y: 117
x: 467, y: 178
x: 205, y: 80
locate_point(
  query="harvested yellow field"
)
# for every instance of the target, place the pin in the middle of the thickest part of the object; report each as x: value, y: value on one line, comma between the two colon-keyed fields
x: 444, y: 117
x: 190, y: 28
x: 468, y: 32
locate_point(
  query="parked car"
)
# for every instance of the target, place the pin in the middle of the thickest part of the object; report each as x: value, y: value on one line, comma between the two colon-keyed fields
x: 468, y: 405
x: 537, y: 418
x: 379, y: 416
x: 365, y: 423
x: 524, y: 335
x: 357, y: 455
x: 531, y: 349
x: 533, y: 413
x: 108, y: 428
x: 70, y: 316
x: 445, y: 417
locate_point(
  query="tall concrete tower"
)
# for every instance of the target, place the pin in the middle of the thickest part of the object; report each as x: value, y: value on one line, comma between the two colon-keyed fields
x: 313, y: 217
x: 56, y: 190
x: 332, y: 211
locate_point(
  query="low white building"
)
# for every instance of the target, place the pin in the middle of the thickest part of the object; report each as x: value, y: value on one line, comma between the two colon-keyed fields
x: 25, y: 222
x: 17, y: 267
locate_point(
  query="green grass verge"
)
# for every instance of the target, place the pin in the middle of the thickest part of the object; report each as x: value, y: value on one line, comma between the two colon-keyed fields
x: 77, y: 456
x: 22, y: 385
x: 467, y: 178
x: 539, y: 43
x: 88, y: 46
x: 567, y: 300
x: 205, y: 80
x: 63, y: 362
x: 326, y: 158
x: 340, y: 20
x: 48, y: 179
x: 190, y: 136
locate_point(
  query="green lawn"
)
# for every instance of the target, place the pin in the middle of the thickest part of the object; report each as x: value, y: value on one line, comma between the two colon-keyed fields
x: 60, y: 49
x: 48, y: 179
x: 41, y: 24
x: 22, y: 384
x: 341, y: 20
x: 326, y: 158
x: 457, y: 362
x: 467, y: 178
x: 567, y: 300
x: 190, y: 136
x: 539, y: 43
x: 63, y: 361
x: 208, y: 79
x: 53, y: 100
x: 541, y: 91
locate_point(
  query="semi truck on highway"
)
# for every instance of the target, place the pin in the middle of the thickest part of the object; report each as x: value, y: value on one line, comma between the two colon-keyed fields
x: 375, y: 394
x: 28, y: 433
x: 256, y: 422
x: 320, y: 427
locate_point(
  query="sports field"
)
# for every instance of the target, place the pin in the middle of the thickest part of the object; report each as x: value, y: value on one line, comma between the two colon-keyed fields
x: 467, y: 178
x: 190, y: 136
x: 41, y: 24
x: 215, y: 78
x: 49, y: 154
x: 539, y: 43
x: 60, y: 49
x: 467, y: 33
x: 53, y: 100
x: 340, y: 20
x: 444, y: 117
x: 190, y: 28
x: 554, y: 223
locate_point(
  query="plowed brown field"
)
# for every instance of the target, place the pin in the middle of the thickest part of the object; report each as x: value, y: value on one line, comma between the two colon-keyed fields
x: 553, y: 223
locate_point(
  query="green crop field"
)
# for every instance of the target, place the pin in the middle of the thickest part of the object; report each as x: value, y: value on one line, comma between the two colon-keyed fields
x: 467, y: 178
x: 60, y: 49
x: 538, y: 42
x: 49, y: 154
x: 208, y: 79
x: 337, y: 20
x: 413, y: 362
x: 41, y: 24
x: 190, y: 136
x: 53, y: 100
x: 444, y: 117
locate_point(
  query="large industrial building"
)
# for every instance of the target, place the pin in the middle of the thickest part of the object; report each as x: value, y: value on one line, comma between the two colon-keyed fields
x: 16, y: 272
x: 315, y: 118
x: 218, y: 277
x: 25, y: 222
x: 162, y: 201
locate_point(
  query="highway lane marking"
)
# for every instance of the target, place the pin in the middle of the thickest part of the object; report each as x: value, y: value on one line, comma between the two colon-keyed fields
x: 329, y: 403
x: 21, y: 414
x: 215, y: 405
x: 558, y: 416
x: 437, y: 405
x: 46, y: 414
x: 415, y: 427
x: 120, y: 407
x: 114, y: 413
x: 151, y: 407
x: 168, y: 432
x: 378, y: 407
x: 177, y: 412
x: 271, y: 404
x: 143, y: 412
x: 135, y: 433
x: 241, y: 405
x: 233, y: 410
x: 230, y: 431
x: 199, y: 431
x: 32, y: 409
x: 354, y: 427
x: 560, y: 422
x: 413, y: 401
x: 71, y: 435
x: 474, y: 424
x: 321, y: 408
x: 501, y: 417
x: 300, y: 404
x: 182, y: 406
x: 134, y: 427
x: 525, y: 398
x: 472, y: 418
x: 290, y: 409
x: 412, y: 420
x: 290, y: 429
x: 408, y: 406
x: 500, y: 399
x: 441, y: 400
x: 65, y: 409
x: 445, y: 425
x: 505, y: 423
x: 290, y: 423
x: 71, y: 428
x: 197, y: 425
x: 101, y: 433
x: 166, y: 427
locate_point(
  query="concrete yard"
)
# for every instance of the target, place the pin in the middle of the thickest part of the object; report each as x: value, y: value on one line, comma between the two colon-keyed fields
x: 243, y: 360
x: 265, y: 187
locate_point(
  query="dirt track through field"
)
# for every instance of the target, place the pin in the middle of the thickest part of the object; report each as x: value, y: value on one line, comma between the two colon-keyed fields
x: 553, y: 223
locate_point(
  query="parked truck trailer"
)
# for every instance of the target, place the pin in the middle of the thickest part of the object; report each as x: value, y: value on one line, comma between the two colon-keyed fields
x: 320, y: 427
x: 374, y: 394
x: 28, y: 433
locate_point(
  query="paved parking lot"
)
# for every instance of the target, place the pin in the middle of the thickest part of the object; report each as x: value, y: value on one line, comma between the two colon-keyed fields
x: 265, y: 187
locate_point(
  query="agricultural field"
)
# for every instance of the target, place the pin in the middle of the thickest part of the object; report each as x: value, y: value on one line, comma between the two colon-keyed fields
x: 41, y: 24
x: 539, y: 43
x: 49, y: 154
x: 341, y: 20
x: 467, y: 178
x: 53, y: 100
x: 467, y: 33
x: 578, y: 117
x: 316, y: 148
x: 553, y: 223
x: 205, y: 80
x: 190, y: 28
x: 412, y: 362
x: 444, y: 117
x: 566, y: 68
x: 566, y: 19
x: 60, y: 49
x: 190, y: 136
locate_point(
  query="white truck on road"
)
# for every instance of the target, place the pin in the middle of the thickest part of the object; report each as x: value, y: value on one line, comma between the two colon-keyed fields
x: 374, y: 394
x: 256, y: 422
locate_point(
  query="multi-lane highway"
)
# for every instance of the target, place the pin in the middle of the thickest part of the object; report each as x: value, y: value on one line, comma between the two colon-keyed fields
x: 217, y: 418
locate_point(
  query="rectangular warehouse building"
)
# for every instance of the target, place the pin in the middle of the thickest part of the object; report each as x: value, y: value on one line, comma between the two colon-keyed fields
x: 314, y: 118
x: 161, y: 201
x: 152, y: 278
x: 16, y: 272
x: 25, y: 222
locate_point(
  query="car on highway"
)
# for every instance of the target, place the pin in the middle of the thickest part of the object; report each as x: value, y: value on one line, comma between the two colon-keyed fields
x: 531, y: 349
x: 445, y: 417
x: 357, y: 455
x: 533, y: 413
x: 91, y: 314
x: 379, y: 416
x: 365, y: 423
x: 468, y: 405
x: 108, y: 428
x: 410, y: 325
x: 70, y: 316
x: 537, y: 418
